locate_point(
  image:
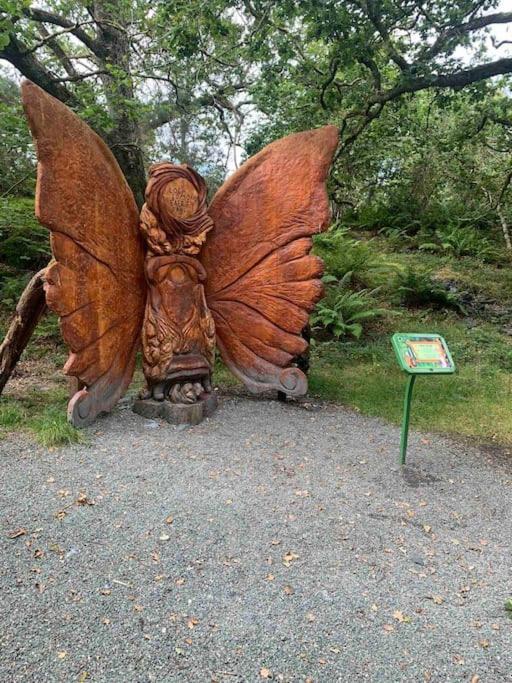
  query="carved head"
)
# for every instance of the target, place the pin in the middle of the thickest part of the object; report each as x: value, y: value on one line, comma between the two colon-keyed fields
x: 176, y: 200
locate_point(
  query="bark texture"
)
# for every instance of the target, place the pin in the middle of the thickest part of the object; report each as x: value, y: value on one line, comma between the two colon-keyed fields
x: 29, y: 310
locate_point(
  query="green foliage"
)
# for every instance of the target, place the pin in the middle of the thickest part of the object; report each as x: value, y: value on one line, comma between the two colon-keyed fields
x: 51, y: 428
x: 342, y: 254
x: 11, y: 288
x: 464, y: 241
x: 417, y: 289
x: 17, y: 161
x: 343, y: 312
x: 24, y: 243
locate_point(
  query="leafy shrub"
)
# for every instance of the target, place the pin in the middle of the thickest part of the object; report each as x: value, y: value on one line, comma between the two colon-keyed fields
x: 24, y: 243
x: 11, y: 288
x: 342, y: 311
x: 344, y: 254
x: 417, y: 289
x: 459, y: 241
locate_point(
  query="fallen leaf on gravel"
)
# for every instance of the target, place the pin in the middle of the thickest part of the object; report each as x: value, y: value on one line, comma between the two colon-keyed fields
x: 169, y: 520
x: 302, y: 494
x: 427, y: 528
x: 38, y: 553
x: 265, y: 673
x: 83, y: 499
x: 289, y: 558
x: 63, y: 493
x: 179, y: 582
x: 105, y: 621
x: 270, y: 577
x: 192, y: 622
x: 62, y: 654
x: 105, y: 591
x: 401, y: 617
x: 16, y: 533
x: 50, y: 480
x: 275, y: 541
x: 83, y: 677
x: 475, y: 678
x: 438, y: 599
x: 484, y: 643
x: 289, y: 590
x: 60, y: 514
x: 138, y: 608
x: 164, y: 537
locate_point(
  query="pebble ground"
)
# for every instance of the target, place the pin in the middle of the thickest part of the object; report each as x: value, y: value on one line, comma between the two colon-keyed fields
x: 271, y: 542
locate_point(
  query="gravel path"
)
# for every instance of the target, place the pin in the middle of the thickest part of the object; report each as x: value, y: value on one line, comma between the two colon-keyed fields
x: 268, y: 542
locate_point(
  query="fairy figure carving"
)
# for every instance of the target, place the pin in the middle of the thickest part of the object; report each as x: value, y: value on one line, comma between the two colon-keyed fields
x: 181, y: 276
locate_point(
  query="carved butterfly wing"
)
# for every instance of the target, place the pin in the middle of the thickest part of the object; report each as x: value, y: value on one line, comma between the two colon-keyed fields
x: 262, y: 280
x: 96, y: 282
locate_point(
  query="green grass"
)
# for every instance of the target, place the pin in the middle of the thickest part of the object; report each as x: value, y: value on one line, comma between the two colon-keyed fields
x: 474, y: 402
x: 51, y: 428
x: 11, y: 416
x: 41, y: 414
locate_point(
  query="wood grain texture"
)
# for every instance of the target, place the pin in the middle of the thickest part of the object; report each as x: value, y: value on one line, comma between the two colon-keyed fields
x: 178, y: 338
x: 96, y: 284
x: 262, y: 280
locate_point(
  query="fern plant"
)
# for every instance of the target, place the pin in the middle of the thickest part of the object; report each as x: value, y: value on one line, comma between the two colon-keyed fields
x: 418, y: 289
x: 344, y: 254
x: 462, y: 241
x: 343, y: 311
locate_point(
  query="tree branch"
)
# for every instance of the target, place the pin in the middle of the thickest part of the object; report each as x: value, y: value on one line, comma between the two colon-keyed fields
x: 467, y: 27
x: 17, y: 54
x: 43, y: 16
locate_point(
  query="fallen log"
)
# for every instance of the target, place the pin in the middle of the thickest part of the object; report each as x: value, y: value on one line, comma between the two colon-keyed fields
x: 30, y: 308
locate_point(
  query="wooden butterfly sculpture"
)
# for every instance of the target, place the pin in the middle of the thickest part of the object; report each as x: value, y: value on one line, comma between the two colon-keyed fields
x: 179, y: 275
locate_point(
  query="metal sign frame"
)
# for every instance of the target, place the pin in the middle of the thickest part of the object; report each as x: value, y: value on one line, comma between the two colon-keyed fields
x: 419, y: 354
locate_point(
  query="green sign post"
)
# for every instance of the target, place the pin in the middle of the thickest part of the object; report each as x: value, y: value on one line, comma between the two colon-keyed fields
x: 419, y: 354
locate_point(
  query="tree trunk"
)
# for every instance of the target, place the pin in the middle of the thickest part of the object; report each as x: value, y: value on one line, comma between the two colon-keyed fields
x: 29, y: 310
x: 124, y: 137
x: 504, y: 227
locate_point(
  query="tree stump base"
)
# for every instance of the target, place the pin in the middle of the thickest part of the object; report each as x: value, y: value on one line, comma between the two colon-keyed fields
x: 177, y: 413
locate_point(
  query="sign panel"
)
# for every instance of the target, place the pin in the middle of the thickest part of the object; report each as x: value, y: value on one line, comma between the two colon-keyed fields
x: 422, y: 354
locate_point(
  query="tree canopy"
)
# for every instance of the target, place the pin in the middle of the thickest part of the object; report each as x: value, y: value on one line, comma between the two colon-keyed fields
x: 199, y: 82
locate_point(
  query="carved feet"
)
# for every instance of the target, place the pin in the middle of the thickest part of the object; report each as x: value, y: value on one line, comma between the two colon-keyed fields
x: 177, y: 413
x: 184, y: 401
x: 178, y: 391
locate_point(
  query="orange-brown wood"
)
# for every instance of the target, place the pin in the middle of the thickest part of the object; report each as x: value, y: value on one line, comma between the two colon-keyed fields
x: 96, y: 284
x: 178, y: 338
x: 262, y: 280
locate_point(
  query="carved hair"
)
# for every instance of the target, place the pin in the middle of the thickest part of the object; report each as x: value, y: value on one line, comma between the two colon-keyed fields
x: 177, y: 228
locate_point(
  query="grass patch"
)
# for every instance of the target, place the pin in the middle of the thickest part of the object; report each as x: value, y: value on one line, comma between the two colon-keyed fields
x: 11, y: 416
x: 51, y: 428
x: 41, y: 414
x: 473, y: 402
